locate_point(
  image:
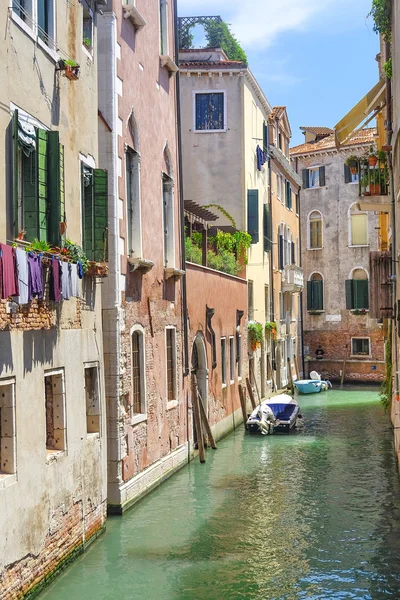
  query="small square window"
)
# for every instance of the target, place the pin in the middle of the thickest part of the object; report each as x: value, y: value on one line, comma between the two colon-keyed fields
x: 210, y: 111
x: 92, y: 394
x: 8, y: 459
x: 87, y: 29
x: 313, y: 177
x: 360, y: 346
x: 56, y: 438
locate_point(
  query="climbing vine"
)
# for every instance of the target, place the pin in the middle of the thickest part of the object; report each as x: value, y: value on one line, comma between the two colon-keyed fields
x: 387, y: 384
x: 223, y: 211
x: 381, y: 12
x: 218, y: 35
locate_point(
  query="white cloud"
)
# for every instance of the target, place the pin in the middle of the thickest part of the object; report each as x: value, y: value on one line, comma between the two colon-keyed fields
x: 259, y: 22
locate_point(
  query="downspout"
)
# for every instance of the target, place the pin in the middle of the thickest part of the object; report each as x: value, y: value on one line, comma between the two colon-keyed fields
x: 389, y: 133
x: 301, y: 293
x: 271, y: 261
x: 181, y: 198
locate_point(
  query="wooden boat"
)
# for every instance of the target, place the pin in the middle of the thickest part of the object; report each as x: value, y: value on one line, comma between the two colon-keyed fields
x: 279, y: 413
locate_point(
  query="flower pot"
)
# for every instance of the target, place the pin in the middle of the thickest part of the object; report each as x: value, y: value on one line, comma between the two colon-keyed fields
x: 72, y: 73
x: 372, y: 160
x: 374, y: 189
x: 21, y: 235
x: 63, y: 227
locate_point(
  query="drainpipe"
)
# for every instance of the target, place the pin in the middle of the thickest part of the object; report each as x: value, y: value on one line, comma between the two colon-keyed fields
x: 181, y: 198
x: 389, y: 134
x: 301, y: 293
x: 271, y: 262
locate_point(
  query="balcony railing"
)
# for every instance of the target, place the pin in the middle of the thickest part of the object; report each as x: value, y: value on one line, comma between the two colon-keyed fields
x: 292, y: 279
x: 373, y: 178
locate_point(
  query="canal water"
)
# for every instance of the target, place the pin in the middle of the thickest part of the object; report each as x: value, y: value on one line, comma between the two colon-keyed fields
x: 314, y: 514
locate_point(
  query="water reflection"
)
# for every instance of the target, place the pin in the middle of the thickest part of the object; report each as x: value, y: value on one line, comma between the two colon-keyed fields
x: 310, y: 515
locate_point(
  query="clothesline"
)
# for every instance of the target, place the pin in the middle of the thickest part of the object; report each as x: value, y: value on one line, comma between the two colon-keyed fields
x: 25, y: 246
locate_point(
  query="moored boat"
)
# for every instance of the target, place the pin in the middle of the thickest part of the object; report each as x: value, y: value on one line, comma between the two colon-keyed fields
x: 279, y: 413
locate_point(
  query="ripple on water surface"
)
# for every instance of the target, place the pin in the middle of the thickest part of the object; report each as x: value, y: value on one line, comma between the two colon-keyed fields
x: 313, y: 515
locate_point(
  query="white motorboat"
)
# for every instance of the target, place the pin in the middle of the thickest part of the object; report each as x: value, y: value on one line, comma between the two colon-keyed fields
x: 279, y: 413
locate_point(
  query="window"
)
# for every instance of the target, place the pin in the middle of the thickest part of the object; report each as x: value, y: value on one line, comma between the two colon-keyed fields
x: 267, y: 228
x: 92, y: 394
x: 38, y: 15
x: 38, y: 187
x: 250, y: 300
x: 252, y: 215
x: 231, y: 359
x: 358, y: 227
x: 209, y: 110
x: 297, y: 204
x: 288, y: 195
x: 8, y: 457
x: 171, y: 364
x: 87, y: 29
x: 94, y: 184
x: 223, y: 360
x: 168, y: 221
x: 315, y: 230
x: 56, y: 438
x: 164, y: 41
x: 138, y: 371
x: 357, y: 291
x: 239, y: 358
x: 279, y: 187
x: 315, y: 292
x: 266, y: 302
x: 360, y: 346
x: 132, y: 172
x: 280, y: 141
x: 314, y: 177
x: 349, y: 176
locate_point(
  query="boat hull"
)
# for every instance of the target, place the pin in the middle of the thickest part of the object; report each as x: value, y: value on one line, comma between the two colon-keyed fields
x: 310, y: 386
x: 283, y: 411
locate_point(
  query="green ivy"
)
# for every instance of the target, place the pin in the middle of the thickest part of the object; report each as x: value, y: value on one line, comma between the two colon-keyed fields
x: 381, y: 12
x: 387, y: 384
x: 77, y: 253
x: 219, y: 35
x: 256, y: 333
x: 387, y: 67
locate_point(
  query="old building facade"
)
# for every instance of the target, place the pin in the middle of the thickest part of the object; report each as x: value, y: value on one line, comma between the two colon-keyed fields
x: 284, y: 339
x: 52, y: 410
x: 225, y: 150
x: 343, y: 326
x: 142, y: 299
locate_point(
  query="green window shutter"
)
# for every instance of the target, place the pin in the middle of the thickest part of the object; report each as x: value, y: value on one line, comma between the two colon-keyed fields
x: 266, y: 139
x: 346, y: 174
x: 293, y: 253
x: 309, y: 295
x: 267, y: 228
x: 361, y: 294
x: 87, y: 211
x: 15, y: 173
x: 322, y: 176
x: 100, y: 232
x: 252, y: 215
x: 349, y: 294
x: 305, y: 179
x: 280, y: 252
x: 56, y: 187
x: 318, y: 293
x: 42, y: 144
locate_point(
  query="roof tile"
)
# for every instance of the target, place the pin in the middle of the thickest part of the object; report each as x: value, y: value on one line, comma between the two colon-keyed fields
x: 364, y: 136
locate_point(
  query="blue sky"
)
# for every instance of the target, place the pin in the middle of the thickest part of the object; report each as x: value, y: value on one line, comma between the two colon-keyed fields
x: 317, y: 57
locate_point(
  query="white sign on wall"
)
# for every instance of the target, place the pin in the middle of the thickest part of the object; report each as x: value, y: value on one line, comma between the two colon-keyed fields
x: 333, y: 318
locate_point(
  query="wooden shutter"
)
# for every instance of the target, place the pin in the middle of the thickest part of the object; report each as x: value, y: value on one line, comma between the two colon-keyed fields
x: 361, y: 293
x: 305, y: 179
x: 34, y: 189
x: 252, y: 215
x: 15, y: 172
x: 42, y: 183
x: 56, y: 187
x: 267, y: 228
x: 100, y: 197
x: 280, y: 252
x: 346, y: 174
x: 318, y: 294
x: 310, y: 295
x: 293, y: 253
x: 349, y: 294
x: 321, y: 176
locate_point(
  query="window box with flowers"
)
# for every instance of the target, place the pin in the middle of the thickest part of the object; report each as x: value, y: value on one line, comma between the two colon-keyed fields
x: 256, y: 334
x: 271, y: 328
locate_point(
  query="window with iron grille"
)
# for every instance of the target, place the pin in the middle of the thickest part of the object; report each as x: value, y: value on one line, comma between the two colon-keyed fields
x: 223, y: 360
x: 209, y: 111
x: 171, y: 364
x: 92, y: 393
x: 137, y: 399
x: 231, y: 359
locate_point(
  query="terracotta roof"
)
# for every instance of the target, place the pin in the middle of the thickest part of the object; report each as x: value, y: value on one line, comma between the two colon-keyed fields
x: 318, y: 130
x: 277, y: 112
x: 204, y: 64
x: 364, y: 136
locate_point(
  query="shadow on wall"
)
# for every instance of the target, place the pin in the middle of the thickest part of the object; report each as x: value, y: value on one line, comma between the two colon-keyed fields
x: 38, y: 348
x: 134, y: 286
x: 6, y: 357
x: 89, y: 292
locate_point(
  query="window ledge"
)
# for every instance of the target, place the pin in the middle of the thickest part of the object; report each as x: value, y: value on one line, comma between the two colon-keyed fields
x: 314, y: 312
x: 87, y: 52
x: 172, y: 404
x: 172, y: 272
x: 315, y: 248
x: 54, y: 455
x: 7, y: 479
x: 132, y: 13
x: 94, y: 435
x: 142, y: 264
x: 167, y: 62
x: 369, y: 356
x: 358, y: 245
x: 359, y: 311
x: 140, y: 418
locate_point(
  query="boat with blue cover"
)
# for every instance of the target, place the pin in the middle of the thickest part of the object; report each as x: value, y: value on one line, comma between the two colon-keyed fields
x: 279, y: 413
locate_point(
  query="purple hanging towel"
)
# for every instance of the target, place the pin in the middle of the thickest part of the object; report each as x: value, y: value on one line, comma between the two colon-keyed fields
x: 55, y: 280
x: 9, y: 272
x: 35, y: 276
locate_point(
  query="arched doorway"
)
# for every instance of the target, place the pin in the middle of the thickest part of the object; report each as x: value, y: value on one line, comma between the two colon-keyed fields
x: 199, y: 367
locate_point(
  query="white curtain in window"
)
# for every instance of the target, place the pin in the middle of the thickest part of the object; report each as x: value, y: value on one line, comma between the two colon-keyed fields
x: 313, y: 178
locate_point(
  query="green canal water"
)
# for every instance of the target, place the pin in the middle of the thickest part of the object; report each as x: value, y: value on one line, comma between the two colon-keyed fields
x: 315, y: 514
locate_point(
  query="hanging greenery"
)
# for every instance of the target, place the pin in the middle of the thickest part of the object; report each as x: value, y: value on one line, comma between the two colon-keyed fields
x: 219, y: 35
x: 387, y: 67
x: 387, y: 384
x: 256, y: 334
x: 381, y: 12
x: 223, y: 211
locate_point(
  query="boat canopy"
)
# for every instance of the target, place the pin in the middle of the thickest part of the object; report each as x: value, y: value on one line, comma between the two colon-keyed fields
x: 282, y: 411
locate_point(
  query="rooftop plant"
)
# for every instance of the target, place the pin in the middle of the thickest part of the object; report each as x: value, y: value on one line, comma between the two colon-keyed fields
x: 381, y: 12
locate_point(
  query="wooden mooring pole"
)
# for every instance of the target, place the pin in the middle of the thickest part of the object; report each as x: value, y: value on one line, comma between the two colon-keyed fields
x: 250, y: 390
x: 243, y: 404
x: 206, y: 423
x: 197, y: 419
x: 344, y: 368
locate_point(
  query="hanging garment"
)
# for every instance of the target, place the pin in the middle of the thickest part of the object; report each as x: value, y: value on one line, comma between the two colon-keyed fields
x: 35, y: 280
x: 260, y: 158
x: 65, y: 280
x: 23, y: 276
x: 9, y: 273
x: 55, y: 280
x: 74, y: 280
x: 80, y: 270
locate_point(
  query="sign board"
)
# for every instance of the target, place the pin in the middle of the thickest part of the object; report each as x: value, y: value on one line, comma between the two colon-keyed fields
x: 333, y: 318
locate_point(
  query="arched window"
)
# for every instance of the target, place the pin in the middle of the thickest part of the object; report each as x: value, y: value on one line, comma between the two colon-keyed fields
x: 357, y: 290
x: 358, y: 234
x: 315, y: 230
x: 315, y: 292
x: 138, y: 373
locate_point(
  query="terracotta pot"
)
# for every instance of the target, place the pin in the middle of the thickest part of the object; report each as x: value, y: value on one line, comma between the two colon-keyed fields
x: 374, y: 189
x: 71, y: 73
x: 63, y: 227
x: 353, y: 170
x: 372, y: 160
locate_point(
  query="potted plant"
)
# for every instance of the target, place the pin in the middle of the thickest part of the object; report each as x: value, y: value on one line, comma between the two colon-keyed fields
x: 87, y: 43
x: 352, y: 163
x: 70, y: 68
x: 255, y: 331
x: 372, y: 157
x: 270, y: 328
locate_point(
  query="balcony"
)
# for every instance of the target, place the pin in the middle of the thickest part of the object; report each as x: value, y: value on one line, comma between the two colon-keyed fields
x: 292, y: 279
x: 373, y: 185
